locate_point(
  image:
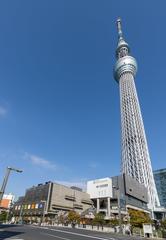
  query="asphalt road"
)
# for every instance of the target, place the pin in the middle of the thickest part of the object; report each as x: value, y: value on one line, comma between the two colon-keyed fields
x: 28, y: 232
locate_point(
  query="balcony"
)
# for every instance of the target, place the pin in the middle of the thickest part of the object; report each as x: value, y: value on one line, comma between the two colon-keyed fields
x: 78, y: 206
x: 71, y: 198
x: 86, y: 201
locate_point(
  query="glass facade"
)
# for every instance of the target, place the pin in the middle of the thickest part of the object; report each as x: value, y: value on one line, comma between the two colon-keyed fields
x: 160, y: 180
x: 36, y: 194
x: 34, y: 200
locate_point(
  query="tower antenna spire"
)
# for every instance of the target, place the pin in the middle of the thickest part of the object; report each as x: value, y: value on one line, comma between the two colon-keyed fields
x: 119, y: 26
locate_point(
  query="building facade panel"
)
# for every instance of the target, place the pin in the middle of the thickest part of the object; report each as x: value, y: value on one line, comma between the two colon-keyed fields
x: 135, y: 189
x: 100, y: 188
x: 67, y: 198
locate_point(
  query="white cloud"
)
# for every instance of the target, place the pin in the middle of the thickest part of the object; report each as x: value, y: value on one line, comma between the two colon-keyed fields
x: 36, y: 160
x: 3, y: 111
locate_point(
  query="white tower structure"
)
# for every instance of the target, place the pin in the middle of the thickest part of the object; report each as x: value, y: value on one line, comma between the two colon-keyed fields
x: 135, y: 154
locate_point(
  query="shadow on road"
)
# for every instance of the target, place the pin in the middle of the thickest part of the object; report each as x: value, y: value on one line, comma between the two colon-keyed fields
x: 3, y: 226
x: 8, y: 234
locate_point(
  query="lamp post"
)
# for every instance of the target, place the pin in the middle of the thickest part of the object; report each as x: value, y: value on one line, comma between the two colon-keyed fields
x: 20, y: 215
x: 5, y: 180
x: 119, y: 208
x: 44, y: 210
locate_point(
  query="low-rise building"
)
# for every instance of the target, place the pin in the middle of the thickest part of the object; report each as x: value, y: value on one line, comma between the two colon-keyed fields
x: 7, y: 201
x: 49, y: 200
x: 111, y: 192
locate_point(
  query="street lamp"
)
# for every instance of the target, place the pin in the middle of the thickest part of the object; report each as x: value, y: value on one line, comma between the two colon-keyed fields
x: 44, y: 210
x: 5, y: 180
x: 119, y: 208
x: 20, y: 215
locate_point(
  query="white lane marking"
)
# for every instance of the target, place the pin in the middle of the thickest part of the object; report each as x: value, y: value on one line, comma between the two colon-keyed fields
x: 51, y: 235
x: 82, y: 235
x: 14, y: 238
x: 44, y: 227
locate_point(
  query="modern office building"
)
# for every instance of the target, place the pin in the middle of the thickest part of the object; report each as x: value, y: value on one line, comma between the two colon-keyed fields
x: 160, y: 180
x: 50, y: 199
x: 135, y: 154
x: 108, y: 194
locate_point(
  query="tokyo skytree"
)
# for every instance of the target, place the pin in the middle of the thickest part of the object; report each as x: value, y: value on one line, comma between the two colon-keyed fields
x: 135, y: 154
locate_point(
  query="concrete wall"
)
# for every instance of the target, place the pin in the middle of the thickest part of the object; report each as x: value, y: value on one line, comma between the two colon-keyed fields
x: 65, y: 198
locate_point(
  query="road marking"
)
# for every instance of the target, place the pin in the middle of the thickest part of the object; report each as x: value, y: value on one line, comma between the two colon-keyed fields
x: 44, y: 227
x: 78, y: 234
x: 82, y: 235
x: 51, y: 235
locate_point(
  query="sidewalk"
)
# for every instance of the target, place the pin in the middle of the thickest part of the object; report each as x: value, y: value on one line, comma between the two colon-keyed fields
x: 105, y: 230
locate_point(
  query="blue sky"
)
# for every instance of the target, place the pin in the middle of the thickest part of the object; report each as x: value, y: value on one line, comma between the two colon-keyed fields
x: 59, y: 103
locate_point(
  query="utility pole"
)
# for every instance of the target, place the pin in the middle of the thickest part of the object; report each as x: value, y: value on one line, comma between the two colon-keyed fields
x: 119, y: 211
x: 5, y: 180
x: 119, y: 208
x: 20, y: 215
x: 44, y: 210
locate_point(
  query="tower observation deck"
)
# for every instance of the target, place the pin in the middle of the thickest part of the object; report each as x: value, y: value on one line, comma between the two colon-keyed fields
x: 135, y: 154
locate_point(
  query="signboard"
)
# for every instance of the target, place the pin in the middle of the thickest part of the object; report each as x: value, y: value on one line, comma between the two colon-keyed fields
x: 37, y: 205
x: 41, y: 205
x: 148, y: 231
x: 33, y: 206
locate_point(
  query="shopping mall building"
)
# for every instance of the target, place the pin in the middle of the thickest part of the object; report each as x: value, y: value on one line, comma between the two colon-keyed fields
x: 49, y: 200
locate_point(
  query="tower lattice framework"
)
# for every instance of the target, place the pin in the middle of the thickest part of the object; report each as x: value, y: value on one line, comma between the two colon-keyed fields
x: 135, y: 154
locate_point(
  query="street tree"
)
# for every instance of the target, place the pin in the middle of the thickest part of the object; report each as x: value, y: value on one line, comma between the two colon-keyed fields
x: 3, y: 216
x: 99, y: 219
x: 137, y: 218
x: 163, y: 223
x: 73, y: 217
x: 114, y: 222
x: 61, y: 219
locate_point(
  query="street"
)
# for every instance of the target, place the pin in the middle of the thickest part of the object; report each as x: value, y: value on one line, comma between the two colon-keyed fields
x: 29, y: 232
